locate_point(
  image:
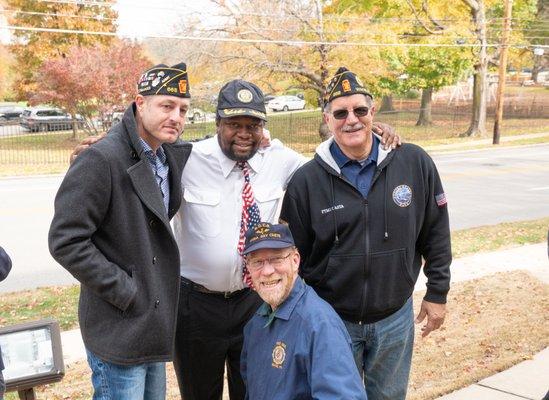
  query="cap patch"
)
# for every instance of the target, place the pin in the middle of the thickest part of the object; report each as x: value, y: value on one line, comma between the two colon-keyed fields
x: 346, y: 85
x: 245, y: 96
x: 183, y: 86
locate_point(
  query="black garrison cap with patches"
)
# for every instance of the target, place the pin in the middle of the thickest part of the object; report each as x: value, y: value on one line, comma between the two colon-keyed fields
x: 161, y: 79
x: 344, y: 83
x: 241, y: 98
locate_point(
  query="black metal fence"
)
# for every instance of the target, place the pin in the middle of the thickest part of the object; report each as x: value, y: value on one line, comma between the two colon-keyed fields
x: 299, y: 130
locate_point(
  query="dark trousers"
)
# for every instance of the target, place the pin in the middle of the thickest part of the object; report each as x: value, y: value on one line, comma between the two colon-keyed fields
x: 209, y: 336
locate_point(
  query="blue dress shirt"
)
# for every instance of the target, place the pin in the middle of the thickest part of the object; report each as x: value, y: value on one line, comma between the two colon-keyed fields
x: 159, y: 165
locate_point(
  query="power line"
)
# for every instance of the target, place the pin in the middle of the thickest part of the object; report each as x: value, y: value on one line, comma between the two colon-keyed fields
x: 269, y: 15
x: 259, y: 29
x: 260, y: 41
x: 44, y: 14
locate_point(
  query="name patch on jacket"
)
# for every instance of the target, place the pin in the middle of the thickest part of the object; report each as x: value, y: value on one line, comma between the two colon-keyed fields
x: 279, y: 354
x: 402, y: 195
x: 327, y: 210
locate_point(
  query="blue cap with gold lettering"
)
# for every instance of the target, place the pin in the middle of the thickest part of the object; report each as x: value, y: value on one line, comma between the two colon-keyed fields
x: 241, y: 98
x: 268, y: 236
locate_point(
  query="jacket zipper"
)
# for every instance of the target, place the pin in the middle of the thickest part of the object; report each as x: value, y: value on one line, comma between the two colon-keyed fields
x: 367, y: 251
x: 366, y: 263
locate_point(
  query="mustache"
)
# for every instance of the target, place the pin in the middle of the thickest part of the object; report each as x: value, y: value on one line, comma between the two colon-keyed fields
x: 354, y: 127
x: 174, y: 126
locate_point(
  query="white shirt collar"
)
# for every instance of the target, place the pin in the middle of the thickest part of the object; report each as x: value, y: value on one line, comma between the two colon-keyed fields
x: 227, y: 165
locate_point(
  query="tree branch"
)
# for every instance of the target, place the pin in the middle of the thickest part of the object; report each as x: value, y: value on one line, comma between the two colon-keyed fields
x: 418, y: 19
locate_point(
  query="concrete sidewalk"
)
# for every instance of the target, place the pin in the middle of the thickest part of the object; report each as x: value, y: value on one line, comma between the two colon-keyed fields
x: 527, y: 380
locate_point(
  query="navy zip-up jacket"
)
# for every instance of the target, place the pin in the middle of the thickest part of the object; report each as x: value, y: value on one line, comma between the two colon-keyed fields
x: 363, y: 256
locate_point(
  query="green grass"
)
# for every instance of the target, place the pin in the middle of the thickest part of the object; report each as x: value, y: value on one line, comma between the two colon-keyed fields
x: 494, y: 237
x: 58, y: 302
x: 61, y: 302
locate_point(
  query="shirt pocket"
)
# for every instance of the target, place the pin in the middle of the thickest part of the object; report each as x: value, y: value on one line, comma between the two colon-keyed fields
x: 204, y: 207
x: 268, y: 200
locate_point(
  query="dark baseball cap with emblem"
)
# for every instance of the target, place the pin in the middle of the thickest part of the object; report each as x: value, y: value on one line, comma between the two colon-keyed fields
x: 164, y: 80
x: 241, y: 98
x: 268, y: 236
x: 344, y: 83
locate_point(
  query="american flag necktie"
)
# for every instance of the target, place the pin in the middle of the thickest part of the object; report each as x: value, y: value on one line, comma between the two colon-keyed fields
x: 250, y: 216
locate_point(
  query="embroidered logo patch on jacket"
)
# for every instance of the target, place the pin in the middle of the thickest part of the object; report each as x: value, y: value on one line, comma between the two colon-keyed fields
x: 279, y: 354
x: 402, y: 195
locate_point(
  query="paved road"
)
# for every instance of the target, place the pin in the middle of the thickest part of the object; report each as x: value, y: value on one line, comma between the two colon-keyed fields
x: 487, y: 187
x: 483, y: 187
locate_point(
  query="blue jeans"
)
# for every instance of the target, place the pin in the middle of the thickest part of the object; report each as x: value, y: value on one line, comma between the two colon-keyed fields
x: 383, y: 353
x: 127, y: 382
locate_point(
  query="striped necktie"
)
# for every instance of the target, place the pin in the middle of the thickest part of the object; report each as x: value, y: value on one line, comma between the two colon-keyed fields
x: 250, y: 216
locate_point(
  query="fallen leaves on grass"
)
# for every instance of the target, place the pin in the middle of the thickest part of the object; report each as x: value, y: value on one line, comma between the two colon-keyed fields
x: 492, y: 323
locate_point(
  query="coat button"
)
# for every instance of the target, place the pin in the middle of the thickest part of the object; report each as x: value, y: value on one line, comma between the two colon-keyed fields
x: 156, y: 303
x: 152, y: 223
x: 154, y: 260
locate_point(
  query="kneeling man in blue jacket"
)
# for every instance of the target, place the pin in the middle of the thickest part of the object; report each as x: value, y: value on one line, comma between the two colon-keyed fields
x: 295, y: 346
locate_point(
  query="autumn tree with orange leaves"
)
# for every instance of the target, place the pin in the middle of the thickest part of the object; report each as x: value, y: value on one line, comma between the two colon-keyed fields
x: 91, y: 82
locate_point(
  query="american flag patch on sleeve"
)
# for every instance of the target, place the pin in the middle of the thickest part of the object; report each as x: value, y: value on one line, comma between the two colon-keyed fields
x: 441, y: 199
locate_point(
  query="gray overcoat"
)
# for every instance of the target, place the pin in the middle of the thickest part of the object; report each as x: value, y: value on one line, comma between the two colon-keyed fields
x: 111, y: 232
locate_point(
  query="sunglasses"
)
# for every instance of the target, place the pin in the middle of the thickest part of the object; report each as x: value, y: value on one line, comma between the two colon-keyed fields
x: 343, y: 114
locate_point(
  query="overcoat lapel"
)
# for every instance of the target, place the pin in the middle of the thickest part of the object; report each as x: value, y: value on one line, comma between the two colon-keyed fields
x: 147, y: 189
x: 177, y: 155
x: 143, y: 180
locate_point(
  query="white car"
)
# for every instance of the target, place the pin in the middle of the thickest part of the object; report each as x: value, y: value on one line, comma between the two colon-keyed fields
x: 286, y: 103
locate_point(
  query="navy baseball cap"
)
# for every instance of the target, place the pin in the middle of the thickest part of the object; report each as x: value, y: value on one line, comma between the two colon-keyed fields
x: 268, y: 236
x: 241, y: 98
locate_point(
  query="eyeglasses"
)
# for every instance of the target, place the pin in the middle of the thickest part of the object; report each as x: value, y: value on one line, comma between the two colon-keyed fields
x: 257, y: 265
x: 235, y: 126
x: 343, y: 114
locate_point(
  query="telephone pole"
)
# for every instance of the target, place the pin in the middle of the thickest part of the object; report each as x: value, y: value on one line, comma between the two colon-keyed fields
x: 502, y: 69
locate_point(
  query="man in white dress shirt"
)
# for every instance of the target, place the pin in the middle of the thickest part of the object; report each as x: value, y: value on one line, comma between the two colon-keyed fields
x: 215, y: 302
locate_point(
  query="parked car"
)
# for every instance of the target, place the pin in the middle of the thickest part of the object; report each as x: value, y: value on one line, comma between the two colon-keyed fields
x: 10, y: 113
x: 45, y: 119
x: 286, y: 103
x: 267, y: 98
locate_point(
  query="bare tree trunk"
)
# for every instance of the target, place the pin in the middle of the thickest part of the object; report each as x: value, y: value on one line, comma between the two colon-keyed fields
x: 425, y: 111
x: 387, y: 103
x: 541, y: 61
x: 74, y: 127
x: 478, y: 114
